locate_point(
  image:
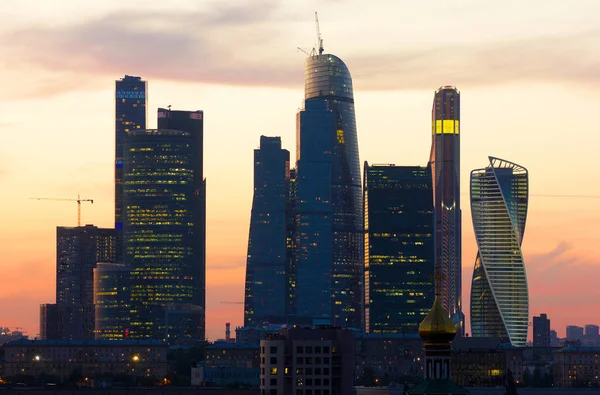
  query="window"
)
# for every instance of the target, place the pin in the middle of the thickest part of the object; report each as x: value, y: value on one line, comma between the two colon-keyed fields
x: 299, y: 350
x: 273, y: 381
x: 273, y: 360
x: 273, y: 349
x: 273, y: 371
x: 318, y: 350
x: 308, y: 349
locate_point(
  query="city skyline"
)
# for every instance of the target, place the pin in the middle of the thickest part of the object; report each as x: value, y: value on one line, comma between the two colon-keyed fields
x: 393, y: 123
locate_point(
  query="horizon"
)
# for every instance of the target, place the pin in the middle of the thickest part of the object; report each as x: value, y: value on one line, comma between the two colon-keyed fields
x: 528, y: 82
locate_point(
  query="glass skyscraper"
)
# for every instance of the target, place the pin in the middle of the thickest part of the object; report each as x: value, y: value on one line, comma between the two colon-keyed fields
x: 399, y: 253
x: 112, y: 295
x: 499, y: 292
x: 329, y: 265
x: 130, y: 114
x: 266, y: 296
x: 164, y: 228
x: 444, y: 161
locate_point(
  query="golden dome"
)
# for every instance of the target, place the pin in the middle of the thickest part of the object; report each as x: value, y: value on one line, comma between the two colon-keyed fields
x: 437, y: 327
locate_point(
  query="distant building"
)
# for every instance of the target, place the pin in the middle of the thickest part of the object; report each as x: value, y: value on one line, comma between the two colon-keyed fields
x: 541, y: 331
x: 112, y: 292
x: 554, y: 340
x: 574, y: 333
x: 78, y: 249
x: 131, y: 103
x: 399, y: 247
x: 66, y: 322
x: 267, y: 264
x: 499, y: 290
x: 252, y: 336
x: 304, y: 361
x: 164, y: 229
x: 91, y: 358
x: 592, y: 335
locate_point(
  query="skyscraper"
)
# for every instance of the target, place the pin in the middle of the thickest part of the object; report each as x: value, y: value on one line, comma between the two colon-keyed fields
x: 329, y: 197
x: 164, y: 228
x: 541, y: 331
x: 399, y: 268
x: 445, y: 171
x: 266, y: 296
x: 112, y: 294
x: 499, y: 293
x: 78, y: 249
x: 130, y: 114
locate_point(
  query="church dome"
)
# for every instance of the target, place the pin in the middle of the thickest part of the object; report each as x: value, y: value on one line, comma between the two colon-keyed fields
x: 437, y: 327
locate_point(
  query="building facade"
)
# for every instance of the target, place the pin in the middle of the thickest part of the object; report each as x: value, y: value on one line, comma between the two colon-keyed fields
x: 329, y: 261
x: 91, y: 359
x: 307, y: 361
x: 577, y: 367
x: 574, y: 333
x: 164, y: 233
x: 78, y: 249
x: 266, y: 292
x: 444, y: 162
x: 499, y: 291
x: 399, y: 247
x: 112, y: 294
x: 131, y: 102
x: 67, y: 322
x: 541, y: 331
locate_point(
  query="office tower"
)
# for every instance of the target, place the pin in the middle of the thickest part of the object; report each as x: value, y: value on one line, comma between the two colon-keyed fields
x: 445, y: 172
x: 541, y: 331
x: 164, y: 228
x: 329, y: 262
x: 592, y: 335
x: 574, y: 333
x: 67, y: 322
x: 267, y: 260
x: 499, y: 292
x: 112, y: 301
x: 78, y: 249
x: 130, y: 114
x: 399, y: 249
x: 292, y: 235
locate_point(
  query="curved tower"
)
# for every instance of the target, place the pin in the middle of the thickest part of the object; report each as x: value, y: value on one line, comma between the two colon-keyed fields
x: 499, y: 294
x: 445, y: 171
x: 329, y: 197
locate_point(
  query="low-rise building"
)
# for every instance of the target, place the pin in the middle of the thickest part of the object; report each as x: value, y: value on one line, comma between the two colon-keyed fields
x: 89, y: 358
x: 229, y: 364
x: 394, y: 358
x: 577, y: 367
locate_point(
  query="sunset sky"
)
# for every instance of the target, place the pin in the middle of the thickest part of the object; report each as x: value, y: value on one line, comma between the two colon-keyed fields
x: 528, y: 72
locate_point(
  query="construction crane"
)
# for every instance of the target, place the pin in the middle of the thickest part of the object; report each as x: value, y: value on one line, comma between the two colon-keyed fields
x: 232, y: 302
x: 319, y: 39
x: 78, y: 200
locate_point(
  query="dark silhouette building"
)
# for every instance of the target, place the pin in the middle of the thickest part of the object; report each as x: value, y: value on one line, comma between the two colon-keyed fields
x: 164, y: 228
x: 112, y: 293
x: 399, y: 247
x: 78, y: 249
x: 130, y: 114
x: 574, y: 333
x: 329, y: 257
x: 266, y: 292
x: 541, y: 331
x: 444, y: 161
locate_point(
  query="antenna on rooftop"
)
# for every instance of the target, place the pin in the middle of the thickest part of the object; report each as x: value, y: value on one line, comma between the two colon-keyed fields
x: 319, y: 39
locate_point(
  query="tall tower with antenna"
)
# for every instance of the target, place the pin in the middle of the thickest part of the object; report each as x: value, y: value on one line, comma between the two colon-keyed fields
x: 329, y: 251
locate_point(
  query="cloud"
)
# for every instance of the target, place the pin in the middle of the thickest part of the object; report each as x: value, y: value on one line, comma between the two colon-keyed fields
x: 248, y: 45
